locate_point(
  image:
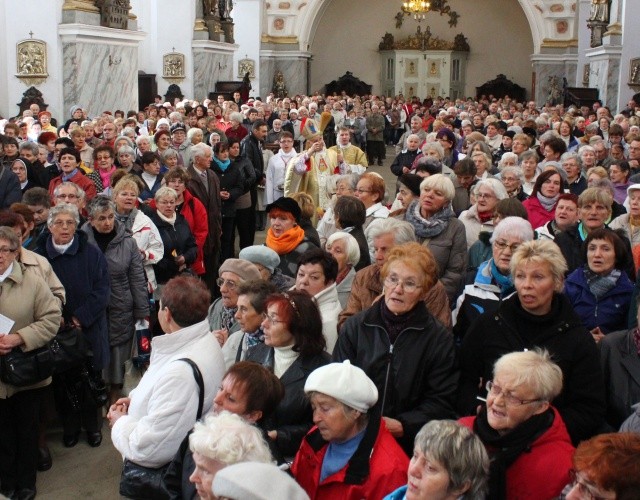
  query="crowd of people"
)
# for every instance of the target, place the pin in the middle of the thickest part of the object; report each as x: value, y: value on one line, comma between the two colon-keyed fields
x: 468, y: 331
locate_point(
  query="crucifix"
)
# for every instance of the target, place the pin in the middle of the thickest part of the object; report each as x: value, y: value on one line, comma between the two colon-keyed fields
x: 173, y: 49
x: 31, y: 34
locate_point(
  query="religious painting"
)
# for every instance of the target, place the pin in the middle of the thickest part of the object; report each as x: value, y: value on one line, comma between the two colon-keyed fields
x: 433, y: 68
x: 246, y: 66
x: 411, y: 67
x: 410, y: 89
x: 586, y: 71
x: 31, y: 61
x: 634, y: 72
x: 434, y: 90
x: 173, y: 66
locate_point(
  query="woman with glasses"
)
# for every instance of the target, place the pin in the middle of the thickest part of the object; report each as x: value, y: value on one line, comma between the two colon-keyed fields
x: 407, y: 353
x: 522, y: 430
x: 606, y: 468
x: 493, y: 281
x: 538, y: 315
x: 479, y: 217
x: 103, y: 158
x: 371, y: 191
x: 293, y: 347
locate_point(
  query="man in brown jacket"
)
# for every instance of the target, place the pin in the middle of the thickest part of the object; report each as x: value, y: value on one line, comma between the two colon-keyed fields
x: 383, y: 235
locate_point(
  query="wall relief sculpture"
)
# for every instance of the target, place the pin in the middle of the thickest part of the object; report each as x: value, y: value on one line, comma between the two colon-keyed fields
x: 173, y: 66
x: 246, y: 66
x: 424, y: 40
x: 31, y: 61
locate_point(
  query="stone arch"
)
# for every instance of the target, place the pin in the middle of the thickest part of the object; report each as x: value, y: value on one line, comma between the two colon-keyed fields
x: 548, y: 19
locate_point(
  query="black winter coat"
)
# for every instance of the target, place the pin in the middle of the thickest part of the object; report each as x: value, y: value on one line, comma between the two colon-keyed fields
x: 253, y: 152
x: 417, y: 377
x: 231, y: 180
x: 582, y: 400
x: 293, y: 417
x: 177, y: 240
x: 404, y: 159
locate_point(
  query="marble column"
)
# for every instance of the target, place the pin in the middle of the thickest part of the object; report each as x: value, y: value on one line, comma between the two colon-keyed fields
x: 292, y: 63
x: 212, y: 61
x: 100, y: 67
x: 551, y: 65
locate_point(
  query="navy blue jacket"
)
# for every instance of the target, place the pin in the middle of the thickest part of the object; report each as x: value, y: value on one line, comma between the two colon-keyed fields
x: 610, y: 312
x: 83, y: 271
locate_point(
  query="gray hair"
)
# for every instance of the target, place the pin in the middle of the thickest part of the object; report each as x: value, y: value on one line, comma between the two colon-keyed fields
x: 236, y: 116
x: 571, y: 156
x: 100, y: 204
x: 128, y: 130
x: 193, y: 131
x: 169, y: 153
x: 402, y: 231
x: 515, y: 227
x: 130, y: 143
x: 414, y: 118
x: 200, y: 149
x: 7, y: 233
x: 125, y: 150
x: 433, y: 146
x: 415, y: 136
x: 165, y: 191
x: 351, y: 179
x: 587, y: 147
x: 79, y: 191
x: 548, y: 135
x: 32, y: 147
x: 517, y: 171
x: 227, y: 438
x: 460, y: 452
x: 529, y: 153
x: 441, y: 183
x: 506, y: 156
x: 63, y: 208
x: 495, y: 185
x: 592, y: 128
x: 353, y: 249
x: 141, y: 138
x: 175, y: 115
x: 533, y: 369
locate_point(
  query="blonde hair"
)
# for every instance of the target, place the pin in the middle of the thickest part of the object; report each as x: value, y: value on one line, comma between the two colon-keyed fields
x: 541, y: 252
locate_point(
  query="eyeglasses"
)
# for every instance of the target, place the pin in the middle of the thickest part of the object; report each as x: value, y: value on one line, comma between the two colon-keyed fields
x: 67, y: 197
x: 509, y: 399
x: 485, y: 196
x: 6, y: 251
x: 362, y: 191
x: 503, y: 245
x: 408, y: 286
x: 271, y: 318
x: 585, y: 490
x: 64, y: 223
x: 231, y: 285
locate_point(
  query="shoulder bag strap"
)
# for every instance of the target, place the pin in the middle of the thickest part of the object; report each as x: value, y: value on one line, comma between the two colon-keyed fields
x: 198, y: 376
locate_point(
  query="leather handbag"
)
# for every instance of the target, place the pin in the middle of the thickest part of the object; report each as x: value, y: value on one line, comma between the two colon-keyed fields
x: 144, y: 483
x: 66, y: 350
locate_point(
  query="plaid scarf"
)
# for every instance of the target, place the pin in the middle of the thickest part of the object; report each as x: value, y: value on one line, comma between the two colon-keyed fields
x: 227, y: 317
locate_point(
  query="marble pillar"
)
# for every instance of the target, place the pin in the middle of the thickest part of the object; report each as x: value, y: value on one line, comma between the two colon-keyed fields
x: 212, y: 61
x: 604, y: 74
x: 548, y: 66
x: 100, y: 67
x: 292, y: 64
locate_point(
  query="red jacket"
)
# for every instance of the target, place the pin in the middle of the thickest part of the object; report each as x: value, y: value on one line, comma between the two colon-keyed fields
x: 543, y: 472
x: 196, y: 215
x: 382, y: 473
x: 79, y: 179
x: 538, y: 215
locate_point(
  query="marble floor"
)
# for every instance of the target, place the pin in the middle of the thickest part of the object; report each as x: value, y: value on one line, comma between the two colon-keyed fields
x: 94, y: 473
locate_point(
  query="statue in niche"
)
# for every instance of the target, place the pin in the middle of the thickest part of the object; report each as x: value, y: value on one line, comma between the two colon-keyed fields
x: 599, y: 11
x: 210, y: 7
x: 225, y: 7
x: 555, y: 90
x: 279, y: 87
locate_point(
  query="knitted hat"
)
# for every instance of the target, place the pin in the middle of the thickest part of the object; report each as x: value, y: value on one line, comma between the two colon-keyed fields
x: 261, y: 254
x: 256, y: 481
x: 288, y: 205
x: 245, y: 269
x: 163, y: 121
x: 293, y: 111
x: 344, y: 382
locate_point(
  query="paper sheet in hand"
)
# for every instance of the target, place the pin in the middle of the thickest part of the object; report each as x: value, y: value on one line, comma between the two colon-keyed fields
x: 6, y: 324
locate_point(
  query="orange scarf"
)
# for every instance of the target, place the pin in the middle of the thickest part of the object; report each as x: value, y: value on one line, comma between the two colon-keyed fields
x: 286, y: 242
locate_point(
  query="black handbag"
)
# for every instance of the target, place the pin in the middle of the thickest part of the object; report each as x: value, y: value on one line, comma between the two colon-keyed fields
x: 66, y: 350
x: 144, y: 483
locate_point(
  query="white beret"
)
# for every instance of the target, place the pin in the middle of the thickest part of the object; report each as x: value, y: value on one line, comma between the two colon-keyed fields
x: 261, y: 254
x: 633, y: 187
x: 344, y: 382
x: 256, y: 481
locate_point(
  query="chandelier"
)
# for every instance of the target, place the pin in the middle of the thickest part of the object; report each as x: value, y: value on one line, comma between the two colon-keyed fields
x: 416, y: 8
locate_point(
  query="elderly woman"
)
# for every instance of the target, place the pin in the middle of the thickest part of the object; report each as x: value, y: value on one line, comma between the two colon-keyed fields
x: 480, y: 216
x: 143, y: 145
x: 169, y: 159
x: 139, y: 225
x: 180, y: 248
x: 344, y: 248
x: 449, y: 462
x: 35, y: 315
x: 236, y: 130
x: 408, y: 190
x: 347, y: 439
x: 493, y: 281
x: 125, y: 159
x: 345, y: 186
x: 267, y: 261
x: 521, y: 429
x: 231, y: 188
x: 483, y: 165
x: 508, y: 160
x: 103, y: 158
x: 437, y: 228
x: 222, y: 312
x: 148, y: 426
x: 129, y: 291
x: 402, y: 163
x: 150, y: 175
x: 285, y: 236
x: 607, y: 467
x: 422, y: 355
x: 83, y: 271
x: 538, y: 315
x: 619, y: 173
x: 512, y: 179
x: 21, y: 167
x: 600, y: 291
x: 293, y: 347
x: 587, y: 155
x: 529, y: 163
x: 541, y: 205
x: 371, y: 191
x: 350, y: 215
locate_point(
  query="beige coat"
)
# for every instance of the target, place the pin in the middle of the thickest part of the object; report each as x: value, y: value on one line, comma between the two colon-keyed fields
x: 28, y: 301
x: 37, y: 264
